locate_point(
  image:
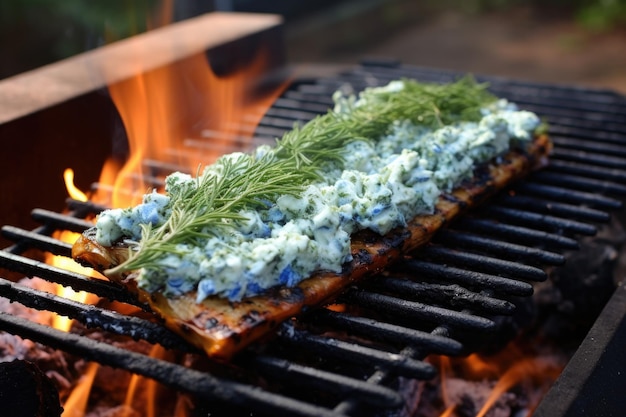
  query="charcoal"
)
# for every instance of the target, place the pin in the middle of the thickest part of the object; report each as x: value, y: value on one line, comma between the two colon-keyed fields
x: 25, y: 391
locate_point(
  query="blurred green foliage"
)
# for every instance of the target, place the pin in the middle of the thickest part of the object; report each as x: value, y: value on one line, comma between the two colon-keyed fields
x: 596, y: 15
x: 36, y: 32
x: 602, y: 15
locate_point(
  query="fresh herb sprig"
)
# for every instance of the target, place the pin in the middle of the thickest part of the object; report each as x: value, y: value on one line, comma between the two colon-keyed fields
x: 250, y: 181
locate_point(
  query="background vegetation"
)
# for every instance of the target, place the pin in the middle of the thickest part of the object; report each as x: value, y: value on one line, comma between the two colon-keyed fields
x: 37, y: 32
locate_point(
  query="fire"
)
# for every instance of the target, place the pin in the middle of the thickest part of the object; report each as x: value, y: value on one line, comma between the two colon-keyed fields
x: 476, y: 367
x: 448, y: 411
x: 182, y: 116
x: 62, y: 322
x: 76, y: 403
x: 72, y: 190
x: 512, y: 368
x: 143, y: 394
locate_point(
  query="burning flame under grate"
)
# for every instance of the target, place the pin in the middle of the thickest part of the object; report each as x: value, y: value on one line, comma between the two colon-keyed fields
x: 458, y: 284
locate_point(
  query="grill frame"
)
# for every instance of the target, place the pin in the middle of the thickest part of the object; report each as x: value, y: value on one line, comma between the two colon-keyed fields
x: 547, y: 226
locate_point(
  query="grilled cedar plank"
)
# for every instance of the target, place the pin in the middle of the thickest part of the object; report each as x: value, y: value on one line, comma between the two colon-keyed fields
x: 221, y: 327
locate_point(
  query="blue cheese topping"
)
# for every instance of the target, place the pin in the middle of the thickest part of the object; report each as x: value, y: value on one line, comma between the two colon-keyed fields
x: 381, y: 185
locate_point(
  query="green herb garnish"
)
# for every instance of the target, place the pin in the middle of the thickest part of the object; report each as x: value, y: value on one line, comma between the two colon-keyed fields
x: 299, y: 157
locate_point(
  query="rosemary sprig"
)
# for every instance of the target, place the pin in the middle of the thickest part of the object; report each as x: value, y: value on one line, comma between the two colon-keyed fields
x: 250, y: 181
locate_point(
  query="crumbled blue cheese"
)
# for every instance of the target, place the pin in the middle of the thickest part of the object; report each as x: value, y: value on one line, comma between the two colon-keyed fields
x: 115, y: 224
x: 383, y: 184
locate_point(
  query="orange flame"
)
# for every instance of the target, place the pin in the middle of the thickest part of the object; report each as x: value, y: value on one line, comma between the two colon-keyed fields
x: 176, y: 118
x: 476, y: 367
x: 76, y: 403
x: 526, y: 370
x: 181, y: 116
x: 509, y: 368
x: 444, y: 371
x: 143, y: 395
x: 448, y: 412
x: 149, y: 385
x: 72, y: 190
x: 62, y: 322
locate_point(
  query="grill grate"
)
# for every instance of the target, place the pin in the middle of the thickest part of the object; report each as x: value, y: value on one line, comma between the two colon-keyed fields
x: 469, y: 275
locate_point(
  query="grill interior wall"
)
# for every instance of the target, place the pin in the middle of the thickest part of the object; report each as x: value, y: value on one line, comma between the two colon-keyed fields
x: 62, y: 116
x: 523, y: 232
x: 78, y: 133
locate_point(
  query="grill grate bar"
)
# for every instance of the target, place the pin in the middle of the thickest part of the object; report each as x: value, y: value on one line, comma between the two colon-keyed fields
x: 481, y: 263
x: 269, y: 132
x: 355, y: 353
x: 592, y: 141
x: 415, y: 310
x: 539, y: 221
x: 380, y: 375
x: 574, y: 155
x: 569, y: 195
x: 283, y: 123
x: 581, y: 183
x: 472, y: 279
x: 78, y: 282
x: 563, y: 125
x: 60, y: 221
x: 453, y: 295
x: 93, y: 317
x: 382, y: 331
x: 318, y: 379
x: 578, y: 213
x: 523, y: 254
x: 278, y: 114
x: 538, y: 238
x: 602, y: 130
x: 37, y: 241
x: 290, y: 104
x: 200, y: 384
x: 84, y: 208
x: 306, y: 94
x: 590, y: 171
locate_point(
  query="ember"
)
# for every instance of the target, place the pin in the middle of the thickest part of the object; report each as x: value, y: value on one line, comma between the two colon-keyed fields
x: 509, y: 383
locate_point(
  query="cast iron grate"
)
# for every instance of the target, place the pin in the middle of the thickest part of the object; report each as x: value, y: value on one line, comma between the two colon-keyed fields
x: 349, y: 362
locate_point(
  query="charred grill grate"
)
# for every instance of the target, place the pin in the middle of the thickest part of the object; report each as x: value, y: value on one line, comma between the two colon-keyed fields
x: 469, y: 275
